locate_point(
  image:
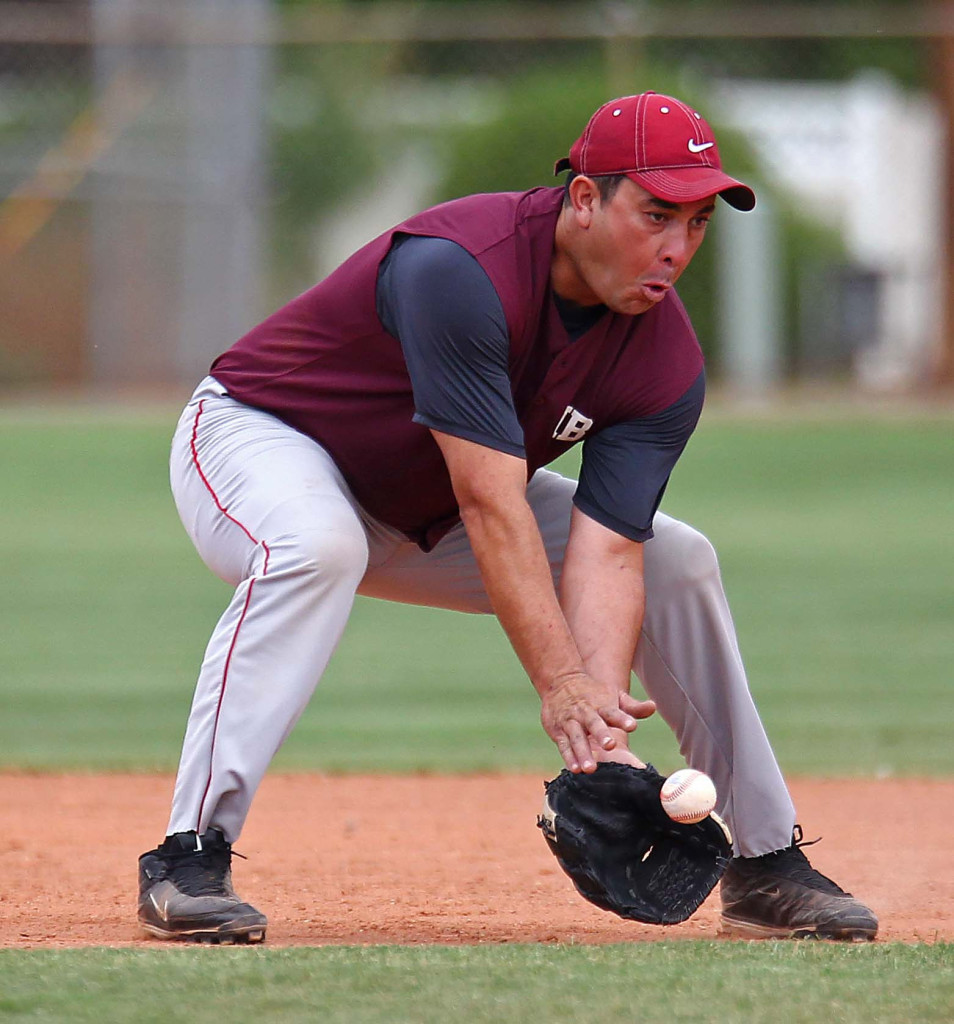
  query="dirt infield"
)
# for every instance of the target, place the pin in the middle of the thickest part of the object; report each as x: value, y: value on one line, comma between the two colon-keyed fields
x: 360, y: 859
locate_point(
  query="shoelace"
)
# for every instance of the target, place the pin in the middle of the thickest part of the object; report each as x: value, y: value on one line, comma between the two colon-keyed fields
x: 203, y: 874
x: 795, y: 865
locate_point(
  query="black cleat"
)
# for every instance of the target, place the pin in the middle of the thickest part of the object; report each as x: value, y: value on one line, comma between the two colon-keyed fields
x: 781, y: 896
x: 185, y: 892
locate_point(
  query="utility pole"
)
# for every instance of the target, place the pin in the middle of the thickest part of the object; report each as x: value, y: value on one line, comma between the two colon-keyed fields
x: 176, y: 195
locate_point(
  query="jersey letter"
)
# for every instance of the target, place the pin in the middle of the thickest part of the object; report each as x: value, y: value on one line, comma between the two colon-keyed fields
x: 572, y: 426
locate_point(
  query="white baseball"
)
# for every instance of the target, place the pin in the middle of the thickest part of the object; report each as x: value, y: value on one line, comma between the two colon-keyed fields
x: 688, y: 796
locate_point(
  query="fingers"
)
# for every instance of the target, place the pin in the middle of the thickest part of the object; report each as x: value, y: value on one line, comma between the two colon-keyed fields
x: 566, y: 752
x: 575, y: 749
x: 629, y: 711
x: 585, y: 728
x: 637, y: 708
x: 618, y: 719
x: 596, y: 723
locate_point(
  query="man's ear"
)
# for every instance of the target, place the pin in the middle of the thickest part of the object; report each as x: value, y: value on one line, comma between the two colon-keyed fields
x: 584, y: 198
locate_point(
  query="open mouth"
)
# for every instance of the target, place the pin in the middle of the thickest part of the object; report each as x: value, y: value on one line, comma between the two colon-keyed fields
x: 655, y: 290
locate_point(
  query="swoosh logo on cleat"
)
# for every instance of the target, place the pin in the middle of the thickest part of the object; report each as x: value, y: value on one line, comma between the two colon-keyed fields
x: 162, y: 911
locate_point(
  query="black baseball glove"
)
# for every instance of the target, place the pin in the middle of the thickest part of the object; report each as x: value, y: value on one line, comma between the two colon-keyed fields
x: 612, y: 837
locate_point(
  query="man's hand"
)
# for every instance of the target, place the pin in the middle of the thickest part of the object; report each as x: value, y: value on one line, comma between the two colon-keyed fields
x: 581, y: 716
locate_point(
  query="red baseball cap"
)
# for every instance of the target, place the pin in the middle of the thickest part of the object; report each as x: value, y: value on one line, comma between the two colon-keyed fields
x: 659, y: 142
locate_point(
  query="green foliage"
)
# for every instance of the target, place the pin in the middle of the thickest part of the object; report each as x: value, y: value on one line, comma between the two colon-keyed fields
x: 654, y: 983
x: 823, y: 58
x: 323, y: 147
x: 832, y: 539
x: 330, y: 141
x: 543, y: 110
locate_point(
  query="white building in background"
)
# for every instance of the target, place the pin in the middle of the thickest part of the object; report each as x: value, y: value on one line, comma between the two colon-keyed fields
x: 865, y: 157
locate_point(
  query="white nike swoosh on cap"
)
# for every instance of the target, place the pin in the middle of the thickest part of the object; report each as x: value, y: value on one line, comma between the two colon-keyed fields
x: 698, y: 147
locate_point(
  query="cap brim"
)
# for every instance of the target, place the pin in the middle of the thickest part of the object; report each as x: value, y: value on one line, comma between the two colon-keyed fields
x: 687, y: 184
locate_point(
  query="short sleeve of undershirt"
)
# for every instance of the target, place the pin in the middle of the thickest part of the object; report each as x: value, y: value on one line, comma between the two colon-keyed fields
x: 626, y: 467
x: 438, y: 301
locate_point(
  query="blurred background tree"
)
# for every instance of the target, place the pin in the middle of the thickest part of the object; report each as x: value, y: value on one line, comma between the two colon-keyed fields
x: 329, y: 144
x: 372, y: 109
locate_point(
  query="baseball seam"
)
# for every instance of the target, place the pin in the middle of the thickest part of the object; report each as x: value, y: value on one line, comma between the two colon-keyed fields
x: 680, y: 789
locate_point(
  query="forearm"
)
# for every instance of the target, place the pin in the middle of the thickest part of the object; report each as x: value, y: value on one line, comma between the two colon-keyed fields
x: 577, y: 711
x: 516, y: 573
x: 603, y: 599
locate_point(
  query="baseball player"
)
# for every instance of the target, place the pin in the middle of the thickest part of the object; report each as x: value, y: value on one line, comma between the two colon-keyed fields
x: 386, y: 433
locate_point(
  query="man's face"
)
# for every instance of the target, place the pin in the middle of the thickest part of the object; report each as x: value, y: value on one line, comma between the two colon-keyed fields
x: 630, y: 249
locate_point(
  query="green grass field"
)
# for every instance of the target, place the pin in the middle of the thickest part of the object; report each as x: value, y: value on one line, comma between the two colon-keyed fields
x: 836, y: 550
x: 837, y: 554
x: 657, y: 983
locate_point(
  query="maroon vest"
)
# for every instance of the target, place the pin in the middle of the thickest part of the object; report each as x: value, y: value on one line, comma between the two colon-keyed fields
x: 324, y: 364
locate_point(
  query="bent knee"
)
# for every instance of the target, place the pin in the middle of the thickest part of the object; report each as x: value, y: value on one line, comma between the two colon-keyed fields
x: 329, y: 553
x: 683, y: 557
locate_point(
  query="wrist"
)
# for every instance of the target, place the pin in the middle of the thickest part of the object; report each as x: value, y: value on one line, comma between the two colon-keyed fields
x: 553, y: 682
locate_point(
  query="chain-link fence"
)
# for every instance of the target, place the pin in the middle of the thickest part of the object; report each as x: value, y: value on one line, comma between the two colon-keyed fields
x: 169, y: 173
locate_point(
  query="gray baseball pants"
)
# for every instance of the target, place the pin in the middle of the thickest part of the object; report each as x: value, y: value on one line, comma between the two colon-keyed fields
x: 269, y: 512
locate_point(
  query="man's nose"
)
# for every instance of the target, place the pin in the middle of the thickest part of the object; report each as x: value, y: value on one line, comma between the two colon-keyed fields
x: 675, y: 248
